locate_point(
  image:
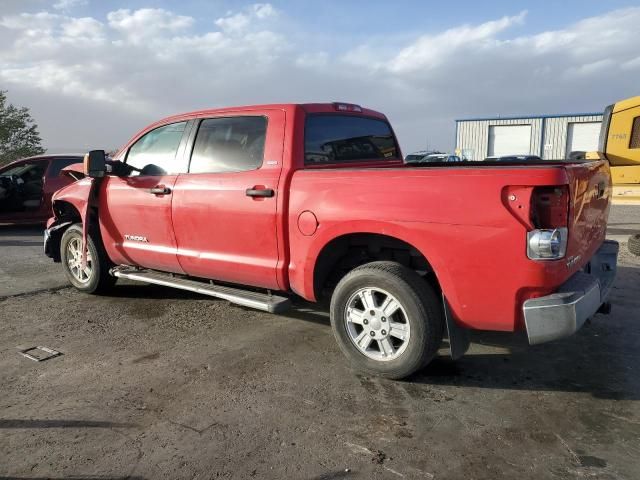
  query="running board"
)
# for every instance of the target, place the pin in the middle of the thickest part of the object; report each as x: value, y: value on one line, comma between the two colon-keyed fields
x: 246, y: 298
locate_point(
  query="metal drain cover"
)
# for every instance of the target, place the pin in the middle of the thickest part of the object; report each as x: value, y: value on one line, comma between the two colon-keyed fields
x: 39, y: 353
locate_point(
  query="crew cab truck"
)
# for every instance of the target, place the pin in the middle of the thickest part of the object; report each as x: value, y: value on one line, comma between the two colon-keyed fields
x: 258, y: 203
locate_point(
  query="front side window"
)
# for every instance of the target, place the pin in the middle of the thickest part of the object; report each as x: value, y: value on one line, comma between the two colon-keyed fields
x: 21, y: 186
x: 347, y: 138
x: 155, y: 152
x: 230, y: 144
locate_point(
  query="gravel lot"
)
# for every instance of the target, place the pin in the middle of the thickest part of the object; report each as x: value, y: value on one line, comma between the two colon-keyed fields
x: 157, y: 383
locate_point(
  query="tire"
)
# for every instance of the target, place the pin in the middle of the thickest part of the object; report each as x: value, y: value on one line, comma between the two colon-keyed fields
x: 634, y: 244
x: 98, y: 280
x: 417, y: 318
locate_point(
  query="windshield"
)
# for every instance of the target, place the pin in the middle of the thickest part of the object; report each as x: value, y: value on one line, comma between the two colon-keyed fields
x: 347, y: 138
x: 414, y: 158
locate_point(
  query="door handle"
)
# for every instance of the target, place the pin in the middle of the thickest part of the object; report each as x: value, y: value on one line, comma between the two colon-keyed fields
x: 160, y: 190
x: 260, y: 192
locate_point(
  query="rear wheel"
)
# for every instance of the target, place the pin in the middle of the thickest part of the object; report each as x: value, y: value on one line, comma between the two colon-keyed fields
x: 94, y: 276
x: 386, y: 319
x: 634, y: 244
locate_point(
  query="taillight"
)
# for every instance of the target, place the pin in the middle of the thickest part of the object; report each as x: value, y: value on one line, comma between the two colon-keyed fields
x: 547, y: 244
x: 550, y: 217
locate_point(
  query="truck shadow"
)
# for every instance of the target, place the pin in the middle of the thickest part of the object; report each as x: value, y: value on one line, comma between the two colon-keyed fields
x: 530, y: 372
x: 22, y: 230
x: 18, y: 233
x: 76, y: 477
x: 32, y: 423
x: 599, y: 360
x: 20, y: 243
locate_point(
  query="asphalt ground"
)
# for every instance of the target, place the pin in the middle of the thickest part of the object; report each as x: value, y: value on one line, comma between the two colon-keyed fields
x: 158, y: 383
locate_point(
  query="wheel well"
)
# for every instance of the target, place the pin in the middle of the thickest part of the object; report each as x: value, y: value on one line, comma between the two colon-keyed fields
x: 65, y: 211
x: 343, y: 254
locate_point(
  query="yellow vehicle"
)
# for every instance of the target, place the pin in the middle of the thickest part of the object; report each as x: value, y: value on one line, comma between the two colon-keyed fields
x: 620, y: 145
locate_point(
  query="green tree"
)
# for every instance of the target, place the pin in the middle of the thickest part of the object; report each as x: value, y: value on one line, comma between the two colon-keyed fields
x: 19, y: 135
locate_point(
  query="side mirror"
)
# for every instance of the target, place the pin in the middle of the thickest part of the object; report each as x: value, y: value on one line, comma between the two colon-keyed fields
x: 95, y: 164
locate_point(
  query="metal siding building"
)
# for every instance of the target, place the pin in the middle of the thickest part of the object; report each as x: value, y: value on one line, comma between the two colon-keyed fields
x: 550, y: 136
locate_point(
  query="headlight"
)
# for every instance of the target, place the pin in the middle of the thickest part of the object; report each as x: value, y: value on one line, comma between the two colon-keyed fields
x: 547, y: 244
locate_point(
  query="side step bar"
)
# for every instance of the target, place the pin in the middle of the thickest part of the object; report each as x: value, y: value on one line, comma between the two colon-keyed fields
x: 247, y: 298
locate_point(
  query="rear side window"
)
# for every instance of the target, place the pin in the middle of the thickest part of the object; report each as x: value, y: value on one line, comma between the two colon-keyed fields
x: 155, y: 152
x: 230, y: 144
x: 58, y: 164
x: 347, y: 138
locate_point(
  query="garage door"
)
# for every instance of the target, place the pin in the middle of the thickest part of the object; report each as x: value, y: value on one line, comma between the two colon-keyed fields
x: 583, y: 137
x: 509, y: 140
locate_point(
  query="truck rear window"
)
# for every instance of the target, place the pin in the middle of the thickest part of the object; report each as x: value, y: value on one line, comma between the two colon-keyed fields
x: 347, y: 138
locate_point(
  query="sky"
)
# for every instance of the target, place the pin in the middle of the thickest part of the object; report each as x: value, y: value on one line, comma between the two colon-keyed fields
x: 94, y: 72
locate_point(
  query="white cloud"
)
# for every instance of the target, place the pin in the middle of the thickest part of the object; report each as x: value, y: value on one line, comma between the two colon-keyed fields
x: 238, y: 22
x: 107, y: 77
x: 431, y: 51
x: 233, y: 23
x: 147, y: 23
x: 69, y: 4
x: 83, y: 29
x: 30, y: 21
x: 263, y: 10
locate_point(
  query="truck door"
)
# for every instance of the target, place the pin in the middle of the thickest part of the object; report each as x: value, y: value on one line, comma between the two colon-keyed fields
x: 224, y: 208
x: 135, y: 210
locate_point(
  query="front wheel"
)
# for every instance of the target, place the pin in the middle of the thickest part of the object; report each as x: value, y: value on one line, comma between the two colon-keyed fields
x: 386, y: 319
x: 94, y: 276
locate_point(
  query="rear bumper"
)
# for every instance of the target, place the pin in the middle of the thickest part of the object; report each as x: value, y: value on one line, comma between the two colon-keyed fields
x: 563, y: 313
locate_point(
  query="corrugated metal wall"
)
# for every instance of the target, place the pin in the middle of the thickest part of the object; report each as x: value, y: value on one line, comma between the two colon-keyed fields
x: 555, y: 134
x: 472, y: 136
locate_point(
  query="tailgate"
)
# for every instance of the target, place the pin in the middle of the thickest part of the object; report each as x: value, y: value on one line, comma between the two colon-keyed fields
x: 590, y: 194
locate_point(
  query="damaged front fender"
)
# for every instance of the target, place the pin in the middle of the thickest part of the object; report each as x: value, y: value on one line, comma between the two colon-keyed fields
x: 53, y: 235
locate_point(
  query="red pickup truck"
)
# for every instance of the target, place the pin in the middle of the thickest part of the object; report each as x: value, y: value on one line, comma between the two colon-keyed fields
x: 315, y: 200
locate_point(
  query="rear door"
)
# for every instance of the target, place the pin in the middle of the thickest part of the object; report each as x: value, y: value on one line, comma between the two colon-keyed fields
x: 224, y: 209
x: 135, y: 211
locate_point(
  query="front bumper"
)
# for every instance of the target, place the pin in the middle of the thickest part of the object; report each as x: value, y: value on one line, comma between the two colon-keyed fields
x: 563, y: 313
x: 52, y: 235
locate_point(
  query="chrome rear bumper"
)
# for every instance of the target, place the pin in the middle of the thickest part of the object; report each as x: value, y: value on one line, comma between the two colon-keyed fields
x: 563, y: 313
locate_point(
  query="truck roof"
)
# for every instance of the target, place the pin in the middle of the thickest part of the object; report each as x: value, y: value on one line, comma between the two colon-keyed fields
x: 307, y: 107
x: 45, y: 156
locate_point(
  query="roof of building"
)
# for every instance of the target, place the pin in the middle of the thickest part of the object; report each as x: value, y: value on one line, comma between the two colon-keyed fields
x: 528, y: 117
